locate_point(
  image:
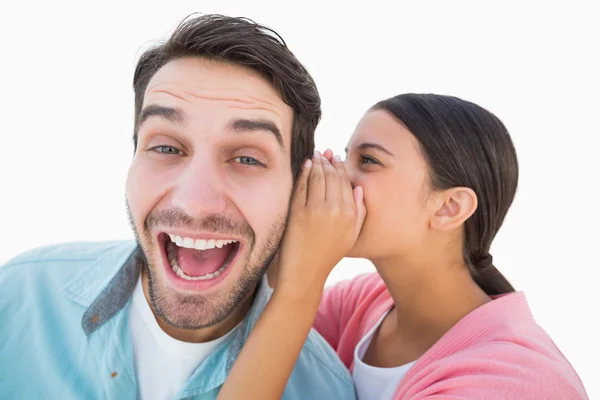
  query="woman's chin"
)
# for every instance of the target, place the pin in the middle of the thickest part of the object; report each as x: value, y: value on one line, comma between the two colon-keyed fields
x: 357, y: 251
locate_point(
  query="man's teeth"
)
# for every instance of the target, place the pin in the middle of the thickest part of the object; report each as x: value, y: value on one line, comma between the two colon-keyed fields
x: 199, y: 244
x: 172, y: 256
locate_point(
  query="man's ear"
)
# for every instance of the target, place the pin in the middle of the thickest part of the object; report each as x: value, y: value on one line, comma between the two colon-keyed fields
x: 450, y: 208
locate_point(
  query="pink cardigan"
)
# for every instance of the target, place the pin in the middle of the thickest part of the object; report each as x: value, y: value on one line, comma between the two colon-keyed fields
x: 496, y: 352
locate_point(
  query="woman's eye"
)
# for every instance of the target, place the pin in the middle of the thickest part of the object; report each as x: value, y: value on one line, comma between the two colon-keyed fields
x: 248, y: 161
x: 368, y: 160
x: 167, y: 150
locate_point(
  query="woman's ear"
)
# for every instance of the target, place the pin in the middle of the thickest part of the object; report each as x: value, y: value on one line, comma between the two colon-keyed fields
x: 450, y: 208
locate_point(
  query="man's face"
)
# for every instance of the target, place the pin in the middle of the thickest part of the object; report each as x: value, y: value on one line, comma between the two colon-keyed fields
x: 209, y: 187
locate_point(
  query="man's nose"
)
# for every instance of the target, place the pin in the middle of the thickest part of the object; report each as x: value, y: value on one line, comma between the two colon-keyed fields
x: 199, y: 190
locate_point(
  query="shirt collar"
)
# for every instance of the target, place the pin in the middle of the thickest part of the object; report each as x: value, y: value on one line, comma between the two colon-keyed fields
x: 109, y: 285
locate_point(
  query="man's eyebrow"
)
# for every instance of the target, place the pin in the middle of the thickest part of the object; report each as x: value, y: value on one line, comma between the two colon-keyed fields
x: 257, y: 125
x: 364, y: 146
x: 171, y: 114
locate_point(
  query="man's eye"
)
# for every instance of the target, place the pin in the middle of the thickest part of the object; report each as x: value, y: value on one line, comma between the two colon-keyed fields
x: 248, y: 161
x: 167, y: 150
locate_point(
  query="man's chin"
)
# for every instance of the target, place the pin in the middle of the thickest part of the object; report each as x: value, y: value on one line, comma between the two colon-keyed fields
x: 196, y: 304
x: 185, y: 309
x: 186, y: 306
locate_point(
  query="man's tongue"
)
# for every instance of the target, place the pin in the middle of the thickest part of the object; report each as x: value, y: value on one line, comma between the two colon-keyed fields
x: 201, y: 262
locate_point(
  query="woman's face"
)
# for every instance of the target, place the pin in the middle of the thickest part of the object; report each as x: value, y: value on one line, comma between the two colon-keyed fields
x: 385, y: 159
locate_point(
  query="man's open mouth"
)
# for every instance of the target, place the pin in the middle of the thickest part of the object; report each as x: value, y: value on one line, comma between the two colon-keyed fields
x: 198, y: 259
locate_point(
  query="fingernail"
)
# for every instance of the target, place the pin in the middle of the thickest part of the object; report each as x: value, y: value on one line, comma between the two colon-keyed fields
x: 307, y: 163
x: 318, y: 155
x: 336, y: 158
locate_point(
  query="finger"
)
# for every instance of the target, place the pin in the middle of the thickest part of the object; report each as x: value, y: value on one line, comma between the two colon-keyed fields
x: 301, y: 190
x: 333, y: 189
x: 316, y: 181
x: 328, y: 154
x: 346, y: 186
x: 360, y: 206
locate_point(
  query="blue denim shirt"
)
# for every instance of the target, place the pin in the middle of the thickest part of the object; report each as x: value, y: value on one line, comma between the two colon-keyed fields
x: 64, y: 332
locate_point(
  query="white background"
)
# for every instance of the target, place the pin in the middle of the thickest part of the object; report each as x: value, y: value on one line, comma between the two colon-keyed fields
x: 67, y: 111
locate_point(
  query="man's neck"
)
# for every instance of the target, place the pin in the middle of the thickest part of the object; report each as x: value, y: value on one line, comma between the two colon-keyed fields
x: 204, y: 334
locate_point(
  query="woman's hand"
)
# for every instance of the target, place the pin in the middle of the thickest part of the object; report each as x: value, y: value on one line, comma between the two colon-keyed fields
x: 326, y: 216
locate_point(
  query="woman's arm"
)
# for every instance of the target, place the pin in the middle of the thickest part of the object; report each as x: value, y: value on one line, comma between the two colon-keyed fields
x: 266, y: 361
x: 326, y: 216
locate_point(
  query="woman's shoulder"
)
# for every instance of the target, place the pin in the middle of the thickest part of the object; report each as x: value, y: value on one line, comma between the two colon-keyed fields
x: 507, y: 370
x: 499, y: 348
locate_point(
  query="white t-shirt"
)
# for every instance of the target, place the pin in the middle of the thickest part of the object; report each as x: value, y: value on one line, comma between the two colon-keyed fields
x: 374, y: 383
x: 163, y: 364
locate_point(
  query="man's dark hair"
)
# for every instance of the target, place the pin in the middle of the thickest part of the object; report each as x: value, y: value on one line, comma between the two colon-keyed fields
x: 240, y: 41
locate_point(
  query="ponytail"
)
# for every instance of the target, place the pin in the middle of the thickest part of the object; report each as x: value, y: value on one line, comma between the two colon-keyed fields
x: 487, y: 276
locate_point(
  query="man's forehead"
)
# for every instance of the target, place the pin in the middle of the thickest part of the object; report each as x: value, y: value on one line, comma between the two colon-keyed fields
x: 216, y: 80
x: 206, y: 84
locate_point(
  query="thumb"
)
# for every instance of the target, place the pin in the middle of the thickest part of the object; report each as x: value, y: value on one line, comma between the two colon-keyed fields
x: 360, y: 207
